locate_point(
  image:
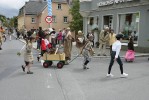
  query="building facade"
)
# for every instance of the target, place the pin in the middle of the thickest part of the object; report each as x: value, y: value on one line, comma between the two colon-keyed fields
x: 129, y: 17
x: 32, y: 15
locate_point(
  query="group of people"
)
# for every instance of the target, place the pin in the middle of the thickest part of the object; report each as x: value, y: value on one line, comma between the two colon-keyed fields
x: 56, y: 38
x: 3, y: 33
x: 106, y: 37
x: 46, y: 43
x: 84, y: 44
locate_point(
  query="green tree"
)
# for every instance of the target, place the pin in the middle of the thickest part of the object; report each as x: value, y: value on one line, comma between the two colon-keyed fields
x: 13, y: 22
x: 3, y: 19
x: 77, y: 20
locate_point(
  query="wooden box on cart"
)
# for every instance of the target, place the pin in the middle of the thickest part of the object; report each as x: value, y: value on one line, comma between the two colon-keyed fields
x: 58, y: 57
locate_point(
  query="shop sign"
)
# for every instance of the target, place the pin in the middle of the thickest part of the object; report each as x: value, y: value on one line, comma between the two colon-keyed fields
x: 84, y: 0
x: 111, y: 2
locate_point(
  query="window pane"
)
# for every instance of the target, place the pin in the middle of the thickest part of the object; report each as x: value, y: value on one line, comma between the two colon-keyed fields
x: 65, y: 20
x: 33, y: 20
x: 59, y: 6
x: 129, y: 26
x: 53, y: 18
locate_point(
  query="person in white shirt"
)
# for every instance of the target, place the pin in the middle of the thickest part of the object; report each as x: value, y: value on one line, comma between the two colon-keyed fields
x: 116, y: 47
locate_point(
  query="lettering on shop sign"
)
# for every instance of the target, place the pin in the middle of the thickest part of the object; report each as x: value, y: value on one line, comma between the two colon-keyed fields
x: 84, y: 0
x: 110, y: 2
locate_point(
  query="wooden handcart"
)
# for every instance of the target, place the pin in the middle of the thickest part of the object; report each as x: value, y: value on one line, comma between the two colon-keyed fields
x: 49, y: 58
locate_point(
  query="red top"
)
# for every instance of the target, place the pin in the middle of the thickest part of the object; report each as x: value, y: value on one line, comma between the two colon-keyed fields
x: 43, y: 45
x: 59, y: 37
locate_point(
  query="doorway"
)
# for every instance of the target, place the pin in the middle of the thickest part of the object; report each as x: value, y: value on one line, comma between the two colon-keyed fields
x: 108, y: 21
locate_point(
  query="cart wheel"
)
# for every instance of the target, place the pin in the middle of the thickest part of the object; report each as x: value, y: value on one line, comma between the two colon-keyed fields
x: 45, y: 64
x: 60, y: 65
x: 62, y: 62
x: 50, y: 63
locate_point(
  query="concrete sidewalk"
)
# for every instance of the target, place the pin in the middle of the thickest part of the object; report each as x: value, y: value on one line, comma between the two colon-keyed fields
x: 122, y: 53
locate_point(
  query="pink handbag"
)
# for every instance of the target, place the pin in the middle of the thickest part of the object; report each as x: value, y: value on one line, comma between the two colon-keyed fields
x: 130, y: 55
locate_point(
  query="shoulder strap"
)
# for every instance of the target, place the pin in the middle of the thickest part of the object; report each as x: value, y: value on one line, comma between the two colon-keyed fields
x: 85, y: 44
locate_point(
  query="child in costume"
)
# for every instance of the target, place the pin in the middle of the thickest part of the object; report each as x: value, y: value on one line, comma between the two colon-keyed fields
x: 87, y: 52
x: 28, y: 55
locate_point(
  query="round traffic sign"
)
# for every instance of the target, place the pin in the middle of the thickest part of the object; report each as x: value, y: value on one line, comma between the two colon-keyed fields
x: 48, y: 19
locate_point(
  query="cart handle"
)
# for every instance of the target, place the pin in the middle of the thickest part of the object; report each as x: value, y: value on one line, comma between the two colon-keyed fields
x: 56, y: 51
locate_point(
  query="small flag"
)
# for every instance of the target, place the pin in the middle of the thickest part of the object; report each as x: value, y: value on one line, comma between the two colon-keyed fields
x: 49, y: 8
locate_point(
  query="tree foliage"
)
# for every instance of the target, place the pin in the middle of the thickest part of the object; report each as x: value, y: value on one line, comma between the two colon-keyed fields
x: 77, y: 20
x: 13, y: 22
x: 3, y: 19
x: 8, y: 22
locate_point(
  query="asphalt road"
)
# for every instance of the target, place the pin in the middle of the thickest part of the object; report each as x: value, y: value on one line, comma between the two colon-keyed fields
x: 71, y: 82
x: 17, y: 85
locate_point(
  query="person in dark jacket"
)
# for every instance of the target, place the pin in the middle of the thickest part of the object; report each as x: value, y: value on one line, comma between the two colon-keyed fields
x: 130, y: 44
x: 18, y: 34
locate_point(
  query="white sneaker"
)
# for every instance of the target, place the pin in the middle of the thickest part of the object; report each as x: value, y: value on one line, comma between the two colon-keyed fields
x: 124, y: 75
x: 110, y: 75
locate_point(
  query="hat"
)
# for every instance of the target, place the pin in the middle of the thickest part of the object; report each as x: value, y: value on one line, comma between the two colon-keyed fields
x: 68, y: 28
x: 50, y: 29
x: 107, y: 28
x: 118, y: 36
x: 80, y: 32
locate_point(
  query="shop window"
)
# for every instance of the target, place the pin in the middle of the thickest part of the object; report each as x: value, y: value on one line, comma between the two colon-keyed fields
x: 108, y: 21
x: 97, y: 20
x: 91, y: 21
x: 129, y: 26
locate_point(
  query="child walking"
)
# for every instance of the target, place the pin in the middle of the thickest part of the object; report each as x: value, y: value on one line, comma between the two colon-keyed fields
x: 116, y: 47
x: 87, y: 52
x: 28, y: 55
x: 130, y: 54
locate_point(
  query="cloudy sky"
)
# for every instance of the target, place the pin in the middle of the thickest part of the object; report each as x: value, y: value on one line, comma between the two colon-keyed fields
x: 10, y: 8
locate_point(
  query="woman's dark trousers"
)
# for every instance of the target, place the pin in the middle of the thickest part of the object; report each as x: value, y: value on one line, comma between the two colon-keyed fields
x: 113, y: 53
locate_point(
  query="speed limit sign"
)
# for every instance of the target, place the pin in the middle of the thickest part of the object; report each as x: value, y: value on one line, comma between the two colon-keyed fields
x: 48, y: 19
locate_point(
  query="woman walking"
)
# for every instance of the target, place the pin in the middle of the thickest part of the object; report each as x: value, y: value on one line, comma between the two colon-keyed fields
x: 116, y: 47
x: 28, y: 55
